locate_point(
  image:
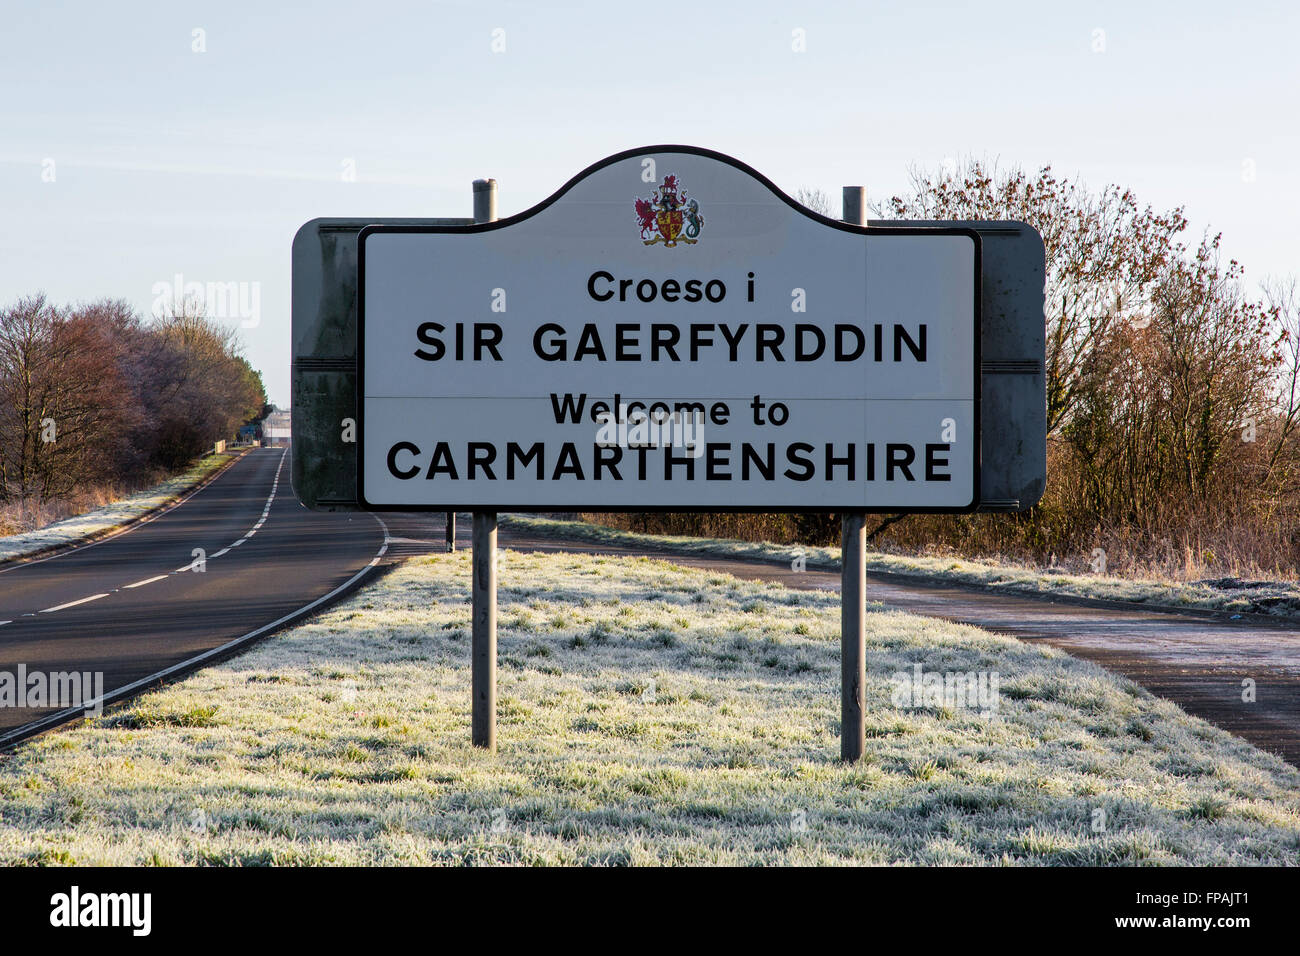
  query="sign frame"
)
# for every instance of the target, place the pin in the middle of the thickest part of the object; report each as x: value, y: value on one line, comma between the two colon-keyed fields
x: 873, y: 230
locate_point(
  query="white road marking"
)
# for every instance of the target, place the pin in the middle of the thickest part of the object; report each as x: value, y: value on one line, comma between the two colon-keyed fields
x: 55, y: 719
x: 275, y: 486
x: 93, y: 597
x: 140, y: 584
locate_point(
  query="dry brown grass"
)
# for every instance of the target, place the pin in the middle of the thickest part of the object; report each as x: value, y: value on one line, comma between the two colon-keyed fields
x: 19, y: 516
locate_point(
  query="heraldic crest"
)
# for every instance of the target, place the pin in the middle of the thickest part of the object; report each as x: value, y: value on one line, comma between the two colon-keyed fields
x: 669, y: 216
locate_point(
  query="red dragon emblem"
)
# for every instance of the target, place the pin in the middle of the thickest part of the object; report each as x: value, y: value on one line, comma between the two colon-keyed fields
x: 668, y: 216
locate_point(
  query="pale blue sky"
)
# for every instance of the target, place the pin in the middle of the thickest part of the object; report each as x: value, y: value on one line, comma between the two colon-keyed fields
x: 169, y: 161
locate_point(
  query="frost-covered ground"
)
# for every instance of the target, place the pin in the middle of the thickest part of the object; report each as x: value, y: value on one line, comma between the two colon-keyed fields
x: 649, y: 714
x: 1279, y: 598
x: 103, y: 520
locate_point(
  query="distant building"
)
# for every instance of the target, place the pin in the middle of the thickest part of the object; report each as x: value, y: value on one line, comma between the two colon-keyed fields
x: 276, y: 429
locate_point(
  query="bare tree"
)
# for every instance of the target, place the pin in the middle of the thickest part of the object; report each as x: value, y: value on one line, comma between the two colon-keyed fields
x: 818, y: 200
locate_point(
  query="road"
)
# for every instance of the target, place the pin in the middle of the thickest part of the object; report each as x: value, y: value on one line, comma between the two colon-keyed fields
x: 1196, y: 660
x: 137, y: 603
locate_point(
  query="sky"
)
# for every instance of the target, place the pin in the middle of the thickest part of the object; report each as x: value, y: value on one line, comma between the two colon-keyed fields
x: 144, y: 141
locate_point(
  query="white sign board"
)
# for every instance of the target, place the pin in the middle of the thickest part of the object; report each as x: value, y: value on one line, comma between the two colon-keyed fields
x: 669, y: 331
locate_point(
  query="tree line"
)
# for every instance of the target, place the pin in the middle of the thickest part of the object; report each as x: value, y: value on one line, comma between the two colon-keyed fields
x: 1173, y: 393
x: 97, y: 395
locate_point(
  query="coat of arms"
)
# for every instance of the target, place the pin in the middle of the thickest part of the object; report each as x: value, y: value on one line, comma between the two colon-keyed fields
x: 669, y: 217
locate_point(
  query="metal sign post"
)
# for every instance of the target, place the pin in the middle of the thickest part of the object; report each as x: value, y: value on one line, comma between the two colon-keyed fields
x: 853, y: 583
x: 483, y: 599
x: 853, y: 636
x: 483, y: 606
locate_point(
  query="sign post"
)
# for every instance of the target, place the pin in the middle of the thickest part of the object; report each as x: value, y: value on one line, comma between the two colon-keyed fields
x: 669, y: 331
x: 853, y: 583
x: 483, y: 557
x: 853, y: 635
x: 483, y: 650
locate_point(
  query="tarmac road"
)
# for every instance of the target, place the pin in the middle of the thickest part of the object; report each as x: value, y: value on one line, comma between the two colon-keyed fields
x: 135, y: 604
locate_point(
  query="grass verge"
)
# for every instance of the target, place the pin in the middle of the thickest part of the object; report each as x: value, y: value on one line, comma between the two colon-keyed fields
x: 648, y: 714
x: 1231, y: 595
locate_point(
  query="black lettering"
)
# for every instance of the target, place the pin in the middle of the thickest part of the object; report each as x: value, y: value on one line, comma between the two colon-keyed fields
x: 850, y: 460
x: 800, y: 353
x: 766, y: 466
x: 625, y: 340
x: 402, y: 473
x: 441, y: 463
x: 487, y: 335
x: 516, y: 455
x: 840, y: 354
x: 670, y: 459
x: 901, y: 336
x: 425, y: 333
x: 769, y: 337
x: 481, y: 455
x: 794, y: 456
x: 608, y: 457
x: 933, y: 461
x: 589, y: 344
x: 568, y: 463
x: 559, y: 346
x: 698, y: 340
x: 591, y: 286
x: 733, y: 341
x: 717, y: 458
x: 664, y: 337
x: 567, y: 408
x: 898, y: 456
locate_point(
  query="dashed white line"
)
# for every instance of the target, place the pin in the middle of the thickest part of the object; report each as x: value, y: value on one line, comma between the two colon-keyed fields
x: 140, y: 584
x: 85, y: 600
x: 275, y: 484
x: 266, y: 511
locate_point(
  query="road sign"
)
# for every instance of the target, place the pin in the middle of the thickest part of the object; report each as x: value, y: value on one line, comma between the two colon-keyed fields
x: 669, y: 331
